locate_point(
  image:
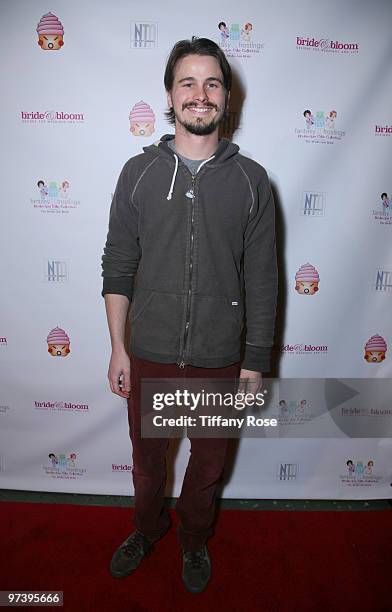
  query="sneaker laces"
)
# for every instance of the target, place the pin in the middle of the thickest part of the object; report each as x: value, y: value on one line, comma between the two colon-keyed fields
x: 196, y: 558
x: 135, y: 543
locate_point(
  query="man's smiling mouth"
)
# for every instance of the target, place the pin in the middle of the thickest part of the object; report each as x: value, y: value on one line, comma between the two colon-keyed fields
x: 200, y: 110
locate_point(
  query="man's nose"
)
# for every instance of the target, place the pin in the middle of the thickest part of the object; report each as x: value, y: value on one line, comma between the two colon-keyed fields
x: 201, y: 93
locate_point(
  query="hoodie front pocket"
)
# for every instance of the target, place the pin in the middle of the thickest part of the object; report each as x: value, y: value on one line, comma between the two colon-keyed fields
x: 156, y: 324
x: 140, y: 302
x: 217, y: 326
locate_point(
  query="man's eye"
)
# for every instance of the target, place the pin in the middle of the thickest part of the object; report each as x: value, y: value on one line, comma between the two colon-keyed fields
x: 187, y: 84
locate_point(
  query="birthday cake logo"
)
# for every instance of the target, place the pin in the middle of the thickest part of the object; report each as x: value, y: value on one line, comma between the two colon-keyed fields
x: 237, y: 40
x: 142, y: 119
x: 375, y: 349
x: 307, y: 280
x: 50, y: 32
x: 320, y: 127
x: 58, y: 343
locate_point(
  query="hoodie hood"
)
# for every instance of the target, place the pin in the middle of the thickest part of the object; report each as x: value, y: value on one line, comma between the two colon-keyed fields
x: 226, y: 149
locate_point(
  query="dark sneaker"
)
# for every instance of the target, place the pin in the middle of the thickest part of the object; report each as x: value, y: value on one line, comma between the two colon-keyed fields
x: 196, y: 569
x: 130, y: 554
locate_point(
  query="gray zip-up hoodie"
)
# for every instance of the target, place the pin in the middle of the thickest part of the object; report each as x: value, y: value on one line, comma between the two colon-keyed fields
x: 196, y: 257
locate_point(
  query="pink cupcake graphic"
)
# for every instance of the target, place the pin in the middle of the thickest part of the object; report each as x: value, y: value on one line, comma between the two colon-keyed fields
x: 307, y: 280
x: 142, y: 119
x: 58, y: 343
x: 50, y: 32
x: 375, y: 349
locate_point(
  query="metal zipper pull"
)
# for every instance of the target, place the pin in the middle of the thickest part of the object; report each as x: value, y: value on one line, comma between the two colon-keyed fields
x: 181, y: 364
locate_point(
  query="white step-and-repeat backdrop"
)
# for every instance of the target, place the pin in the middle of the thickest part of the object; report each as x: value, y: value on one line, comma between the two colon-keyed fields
x: 313, y: 105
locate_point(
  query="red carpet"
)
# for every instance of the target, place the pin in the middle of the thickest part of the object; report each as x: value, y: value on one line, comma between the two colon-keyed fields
x: 283, y: 561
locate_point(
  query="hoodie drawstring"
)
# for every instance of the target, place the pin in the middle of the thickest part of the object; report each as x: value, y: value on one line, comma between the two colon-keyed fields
x: 169, y: 195
x: 204, y: 162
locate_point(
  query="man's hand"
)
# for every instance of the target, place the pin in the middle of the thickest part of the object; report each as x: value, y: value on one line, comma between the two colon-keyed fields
x: 251, y: 382
x: 119, y: 373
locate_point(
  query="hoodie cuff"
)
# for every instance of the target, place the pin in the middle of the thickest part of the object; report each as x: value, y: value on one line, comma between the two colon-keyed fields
x: 257, y: 358
x: 120, y: 285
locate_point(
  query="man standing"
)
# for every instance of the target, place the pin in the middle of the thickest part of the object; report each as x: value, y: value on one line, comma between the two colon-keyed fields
x: 191, y: 244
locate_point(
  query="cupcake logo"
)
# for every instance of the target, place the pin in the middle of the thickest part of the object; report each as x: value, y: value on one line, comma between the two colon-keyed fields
x: 375, y: 349
x: 307, y: 280
x: 58, y: 343
x: 142, y: 119
x: 50, y: 32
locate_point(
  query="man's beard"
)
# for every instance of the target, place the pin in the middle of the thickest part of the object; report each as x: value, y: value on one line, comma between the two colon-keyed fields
x: 199, y: 127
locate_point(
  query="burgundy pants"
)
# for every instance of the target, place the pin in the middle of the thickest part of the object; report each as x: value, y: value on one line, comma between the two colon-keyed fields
x: 196, y: 504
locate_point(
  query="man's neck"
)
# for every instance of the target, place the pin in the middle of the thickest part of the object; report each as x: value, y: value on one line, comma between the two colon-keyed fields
x: 195, y: 147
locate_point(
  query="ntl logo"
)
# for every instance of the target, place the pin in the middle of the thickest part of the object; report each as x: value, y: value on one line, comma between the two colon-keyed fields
x: 288, y: 471
x: 3, y: 341
x: 55, y: 271
x: 325, y: 44
x: 313, y: 204
x: 144, y: 34
x: 383, y: 280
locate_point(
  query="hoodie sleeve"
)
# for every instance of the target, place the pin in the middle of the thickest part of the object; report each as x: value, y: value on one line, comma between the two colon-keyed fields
x: 122, y: 250
x: 261, y: 278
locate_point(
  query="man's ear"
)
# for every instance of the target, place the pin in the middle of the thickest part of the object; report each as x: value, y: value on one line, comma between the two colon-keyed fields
x: 169, y: 99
